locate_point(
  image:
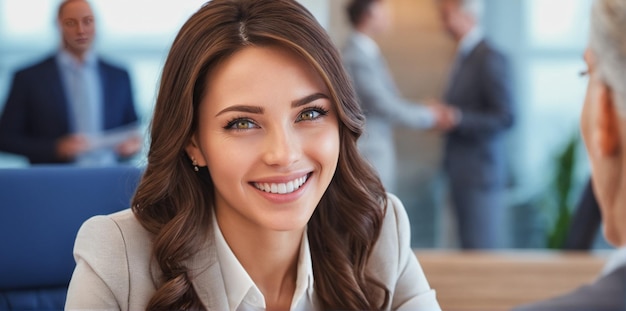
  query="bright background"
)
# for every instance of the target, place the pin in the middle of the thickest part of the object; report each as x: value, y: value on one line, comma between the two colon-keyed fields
x: 544, y: 40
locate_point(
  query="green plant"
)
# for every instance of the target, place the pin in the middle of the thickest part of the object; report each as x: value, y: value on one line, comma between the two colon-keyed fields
x: 561, y: 193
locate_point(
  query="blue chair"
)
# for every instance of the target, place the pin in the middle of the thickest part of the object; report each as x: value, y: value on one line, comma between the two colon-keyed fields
x: 41, y: 210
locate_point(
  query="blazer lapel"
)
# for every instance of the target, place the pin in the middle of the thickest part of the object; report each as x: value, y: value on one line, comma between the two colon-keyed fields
x: 205, y: 274
x: 59, y: 97
x: 108, y: 103
x: 457, y: 74
x: 206, y: 277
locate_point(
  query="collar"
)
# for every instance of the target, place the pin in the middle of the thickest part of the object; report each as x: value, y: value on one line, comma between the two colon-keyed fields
x: 616, y: 260
x: 68, y: 60
x: 240, y: 288
x: 304, y: 281
x: 237, y: 282
x: 470, y: 41
x: 366, y: 44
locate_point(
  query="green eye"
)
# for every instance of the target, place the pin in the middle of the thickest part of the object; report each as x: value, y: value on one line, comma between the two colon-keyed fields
x: 244, y: 125
x: 240, y: 124
x: 309, y: 115
x: 312, y: 114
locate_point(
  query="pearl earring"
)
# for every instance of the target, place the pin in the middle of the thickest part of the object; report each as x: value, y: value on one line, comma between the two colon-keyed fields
x: 195, y: 164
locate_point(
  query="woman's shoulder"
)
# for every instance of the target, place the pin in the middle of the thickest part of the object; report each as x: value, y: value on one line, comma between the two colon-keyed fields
x: 395, y: 265
x: 393, y: 201
x: 113, y: 255
x: 123, y: 221
x: 118, y: 231
x: 120, y: 238
x: 395, y: 229
x: 396, y: 218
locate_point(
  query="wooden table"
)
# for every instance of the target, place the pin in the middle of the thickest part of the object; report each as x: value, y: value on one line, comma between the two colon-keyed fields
x: 490, y: 281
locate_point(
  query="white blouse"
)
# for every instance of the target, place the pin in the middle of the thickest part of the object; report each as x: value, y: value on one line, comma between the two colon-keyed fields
x: 244, y: 295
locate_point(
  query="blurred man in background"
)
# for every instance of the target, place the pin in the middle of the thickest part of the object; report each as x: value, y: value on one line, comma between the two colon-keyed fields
x: 382, y: 103
x: 58, y: 110
x: 479, y: 97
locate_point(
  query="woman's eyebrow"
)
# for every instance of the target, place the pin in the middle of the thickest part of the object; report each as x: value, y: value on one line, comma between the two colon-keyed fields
x: 242, y: 108
x: 305, y: 100
x: 259, y: 110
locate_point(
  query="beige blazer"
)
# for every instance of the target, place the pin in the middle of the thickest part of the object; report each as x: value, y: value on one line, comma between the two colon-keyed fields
x: 115, y: 269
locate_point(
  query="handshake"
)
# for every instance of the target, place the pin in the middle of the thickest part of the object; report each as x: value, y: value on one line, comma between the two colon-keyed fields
x: 446, y: 116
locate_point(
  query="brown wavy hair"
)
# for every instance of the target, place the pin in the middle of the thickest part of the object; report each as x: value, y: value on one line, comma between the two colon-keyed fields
x: 174, y: 202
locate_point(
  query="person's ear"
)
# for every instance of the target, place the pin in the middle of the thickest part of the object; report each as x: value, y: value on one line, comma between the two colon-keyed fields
x: 194, y: 152
x: 607, y: 135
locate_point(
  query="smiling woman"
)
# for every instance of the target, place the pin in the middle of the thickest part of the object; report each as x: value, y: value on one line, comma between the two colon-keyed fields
x: 254, y: 196
x: 257, y: 143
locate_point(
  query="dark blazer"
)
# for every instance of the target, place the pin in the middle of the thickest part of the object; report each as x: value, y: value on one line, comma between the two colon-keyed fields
x: 480, y: 89
x: 36, y: 113
x: 608, y: 293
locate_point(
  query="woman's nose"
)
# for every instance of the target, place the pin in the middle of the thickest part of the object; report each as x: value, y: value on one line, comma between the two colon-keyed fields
x: 282, y: 147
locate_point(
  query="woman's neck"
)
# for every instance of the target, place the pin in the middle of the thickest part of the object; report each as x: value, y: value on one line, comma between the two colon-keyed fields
x: 269, y: 257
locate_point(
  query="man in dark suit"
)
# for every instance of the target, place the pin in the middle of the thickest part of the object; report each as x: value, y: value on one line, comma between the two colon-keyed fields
x: 479, y: 95
x: 603, y: 128
x: 58, y: 109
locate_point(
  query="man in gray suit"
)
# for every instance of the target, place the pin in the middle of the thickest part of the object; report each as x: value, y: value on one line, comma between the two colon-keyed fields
x: 380, y: 100
x: 475, y: 154
x: 603, y: 127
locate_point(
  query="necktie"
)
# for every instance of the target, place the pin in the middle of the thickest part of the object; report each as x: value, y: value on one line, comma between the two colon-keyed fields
x: 88, y: 118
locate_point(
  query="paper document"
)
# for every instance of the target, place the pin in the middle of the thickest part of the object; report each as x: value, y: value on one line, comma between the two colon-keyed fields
x: 113, y: 137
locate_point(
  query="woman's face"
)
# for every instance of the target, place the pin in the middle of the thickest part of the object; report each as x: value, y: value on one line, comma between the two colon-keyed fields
x: 269, y: 134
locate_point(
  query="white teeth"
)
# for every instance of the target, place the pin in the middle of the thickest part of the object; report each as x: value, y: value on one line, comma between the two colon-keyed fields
x: 282, y: 188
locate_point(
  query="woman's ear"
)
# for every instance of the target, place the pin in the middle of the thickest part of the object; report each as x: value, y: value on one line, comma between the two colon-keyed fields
x: 606, y: 132
x: 194, y: 152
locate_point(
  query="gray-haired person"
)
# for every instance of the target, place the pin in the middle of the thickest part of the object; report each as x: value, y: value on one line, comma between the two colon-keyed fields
x: 603, y: 127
